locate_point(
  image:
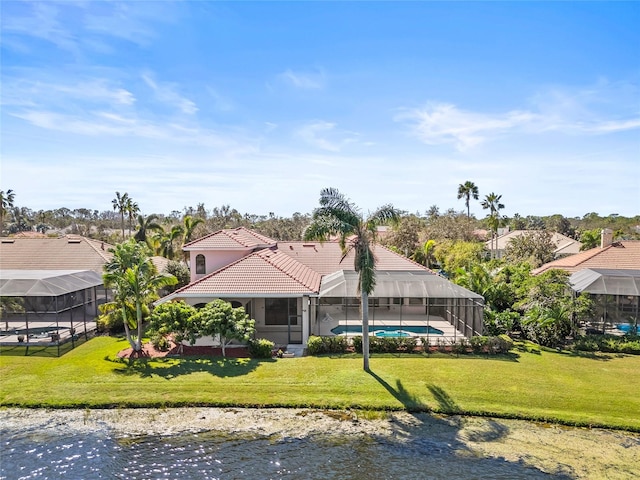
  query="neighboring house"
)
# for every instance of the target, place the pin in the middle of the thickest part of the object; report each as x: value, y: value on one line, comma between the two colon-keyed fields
x: 296, y: 289
x: 52, y: 285
x: 564, y: 245
x: 610, y: 273
x: 51, y: 288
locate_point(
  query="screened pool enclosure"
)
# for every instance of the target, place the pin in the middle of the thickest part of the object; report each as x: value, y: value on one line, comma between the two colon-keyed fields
x: 48, y: 307
x: 616, y: 294
x: 407, y: 303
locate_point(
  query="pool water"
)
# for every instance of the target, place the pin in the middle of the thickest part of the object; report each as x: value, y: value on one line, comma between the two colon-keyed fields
x: 388, y: 330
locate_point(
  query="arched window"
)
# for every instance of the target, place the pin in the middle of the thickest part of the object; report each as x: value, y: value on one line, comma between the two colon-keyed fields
x: 200, y: 264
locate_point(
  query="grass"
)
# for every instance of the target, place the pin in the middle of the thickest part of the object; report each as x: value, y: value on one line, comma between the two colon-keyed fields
x: 532, y: 383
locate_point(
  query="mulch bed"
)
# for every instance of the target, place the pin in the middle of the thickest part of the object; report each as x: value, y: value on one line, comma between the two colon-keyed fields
x: 148, y: 351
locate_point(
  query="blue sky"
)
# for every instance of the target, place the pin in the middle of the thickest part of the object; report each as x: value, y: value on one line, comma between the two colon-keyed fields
x: 259, y: 105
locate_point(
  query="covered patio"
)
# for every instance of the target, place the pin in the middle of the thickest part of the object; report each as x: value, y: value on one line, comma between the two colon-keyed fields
x: 616, y: 294
x: 404, y: 303
x: 48, y: 308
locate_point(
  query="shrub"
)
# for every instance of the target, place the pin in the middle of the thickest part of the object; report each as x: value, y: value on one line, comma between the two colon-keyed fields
x: 160, y: 342
x: 261, y: 348
x: 479, y: 343
x: 460, y: 346
x: 318, y: 345
x: 491, y: 345
x: 609, y: 344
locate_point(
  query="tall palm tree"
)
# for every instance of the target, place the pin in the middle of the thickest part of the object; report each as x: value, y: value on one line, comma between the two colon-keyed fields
x: 145, y: 225
x: 338, y: 216
x: 6, y: 202
x: 492, y: 203
x: 467, y: 190
x: 120, y: 205
x: 132, y: 210
x: 135, y: 282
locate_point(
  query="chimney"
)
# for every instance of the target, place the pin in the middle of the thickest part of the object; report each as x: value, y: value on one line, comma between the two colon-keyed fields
x: 606, y: 237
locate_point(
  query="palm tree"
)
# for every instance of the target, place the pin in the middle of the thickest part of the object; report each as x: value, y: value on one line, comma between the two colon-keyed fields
x: 168, y: 242
x: 492, y: 203
x: 132, y: 210
x: 135, y: 282
x: 189, y: 225
x: 467, y: 190
x: 146, y: 225
x: 6, y: 202
x: 120, y: 205
x: 338, y: 216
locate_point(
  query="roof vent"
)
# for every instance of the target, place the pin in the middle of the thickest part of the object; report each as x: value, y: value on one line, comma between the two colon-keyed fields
x: 8, y: 240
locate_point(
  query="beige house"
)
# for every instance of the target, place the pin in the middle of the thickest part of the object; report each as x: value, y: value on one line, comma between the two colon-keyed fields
x: 610, y: 274
x: 564, y: 245
x: 297, y: 289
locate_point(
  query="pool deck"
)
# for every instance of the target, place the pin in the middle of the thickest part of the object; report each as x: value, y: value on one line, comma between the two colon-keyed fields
x: 10, y: 338
x: 449, y: 333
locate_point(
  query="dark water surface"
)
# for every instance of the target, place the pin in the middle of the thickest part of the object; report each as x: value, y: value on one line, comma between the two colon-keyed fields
x: 59, y: 454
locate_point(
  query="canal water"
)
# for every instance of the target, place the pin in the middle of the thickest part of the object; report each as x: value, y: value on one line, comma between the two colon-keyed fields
x: 57, y: 453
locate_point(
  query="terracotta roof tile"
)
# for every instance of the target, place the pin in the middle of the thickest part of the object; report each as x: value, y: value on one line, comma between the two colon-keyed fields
x: 72, y: 252
x: 326, y: 257
x: 623, y: 255
x: 264, y: 272
x: 231, y: 239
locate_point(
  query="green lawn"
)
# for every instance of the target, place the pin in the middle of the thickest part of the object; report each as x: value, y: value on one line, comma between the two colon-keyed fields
x: 602, y: 390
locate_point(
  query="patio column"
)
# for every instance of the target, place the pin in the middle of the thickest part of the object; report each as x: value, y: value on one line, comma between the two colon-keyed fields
x: 306, y: 307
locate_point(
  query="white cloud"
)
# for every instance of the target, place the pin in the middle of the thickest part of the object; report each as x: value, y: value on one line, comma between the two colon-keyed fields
x: 444, y: 123
x: 42, y: 23
x: 166, y: 93
x: 306, y: 81
x: 325, y: 135
x: 600, y: 109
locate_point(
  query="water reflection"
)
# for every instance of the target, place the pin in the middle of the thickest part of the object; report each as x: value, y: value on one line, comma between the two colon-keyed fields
x: 59, y: 454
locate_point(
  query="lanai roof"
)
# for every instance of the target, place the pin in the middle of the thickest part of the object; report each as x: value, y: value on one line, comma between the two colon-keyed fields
x: 46, y: 283
x: 396, y: 284
x: 607, y: 281
x: 622, y: 255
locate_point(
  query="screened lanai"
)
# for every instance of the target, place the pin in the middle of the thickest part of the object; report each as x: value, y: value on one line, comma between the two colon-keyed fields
x: 413, y: 303
x: 616, y: 294
x: 48, y: 307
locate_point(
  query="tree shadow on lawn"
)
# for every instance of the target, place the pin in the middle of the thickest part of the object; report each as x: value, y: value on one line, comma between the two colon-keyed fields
x: 169, y: 368
x: 441, y: 437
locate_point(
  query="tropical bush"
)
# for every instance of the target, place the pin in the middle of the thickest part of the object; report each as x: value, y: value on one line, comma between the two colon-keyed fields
x: 493, y: 345
x: 318, y: 345
x: 261, y: 348
x: 608, y: 343
x: 498, y: 323
x: 387, y: 344
x: 160, y: 342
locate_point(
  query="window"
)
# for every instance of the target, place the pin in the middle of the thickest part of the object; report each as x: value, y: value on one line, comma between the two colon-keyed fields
x: 415, y: 301
x: 200, y: 264
x: 278, y: 310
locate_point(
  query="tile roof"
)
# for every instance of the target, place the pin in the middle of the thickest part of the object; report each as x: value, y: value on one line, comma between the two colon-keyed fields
x: 623, y: 255
x: 563, y: 243
x: 261, y: 273
x: 240, y: 237
x: 326, y: 257
x: 72, y: 252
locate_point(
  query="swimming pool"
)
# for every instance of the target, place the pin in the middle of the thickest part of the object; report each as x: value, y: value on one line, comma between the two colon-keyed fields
x: 624, y: 327
x: 388, y: 330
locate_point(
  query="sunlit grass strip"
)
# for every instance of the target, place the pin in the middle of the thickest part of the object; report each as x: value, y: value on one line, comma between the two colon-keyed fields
x: 544, y: 386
